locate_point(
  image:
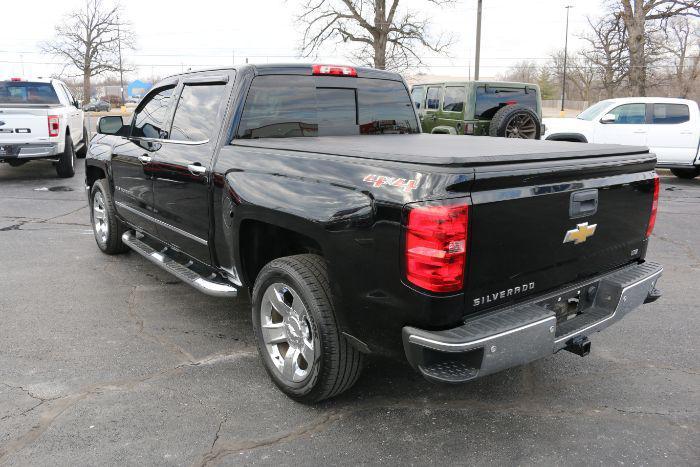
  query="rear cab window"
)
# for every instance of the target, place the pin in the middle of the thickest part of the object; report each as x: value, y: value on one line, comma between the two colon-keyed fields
x: 283, y: 106
x: 490, y: 99
x: 669, y: 114
x: 25, y: 92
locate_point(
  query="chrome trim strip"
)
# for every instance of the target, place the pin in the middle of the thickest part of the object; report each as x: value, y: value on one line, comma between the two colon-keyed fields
x: 172, y: 141
x: 163, y: 224
x: 438, y: 345
x: 612, y: 315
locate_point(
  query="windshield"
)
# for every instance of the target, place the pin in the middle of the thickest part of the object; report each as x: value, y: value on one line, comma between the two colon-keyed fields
x: 22, y: 92
x: 279, y: 106
x: 591, y: 112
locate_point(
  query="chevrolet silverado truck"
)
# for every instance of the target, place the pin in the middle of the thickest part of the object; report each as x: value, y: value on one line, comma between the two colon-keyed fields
x: 40, y: 119
x: 310, y: 190
x: 669, y: 127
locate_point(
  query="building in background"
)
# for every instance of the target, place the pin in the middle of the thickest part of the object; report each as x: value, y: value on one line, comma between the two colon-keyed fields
x: 137, y: 89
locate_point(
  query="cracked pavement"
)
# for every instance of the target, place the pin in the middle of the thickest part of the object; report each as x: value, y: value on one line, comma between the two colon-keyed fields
x: 110, y: 361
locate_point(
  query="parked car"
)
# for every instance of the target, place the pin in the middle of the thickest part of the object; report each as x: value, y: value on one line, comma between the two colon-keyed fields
x: 40, y: 119
x: 463, y: 255
x: 97, y: 106
x: 512, y: 110
x: 669, y: 127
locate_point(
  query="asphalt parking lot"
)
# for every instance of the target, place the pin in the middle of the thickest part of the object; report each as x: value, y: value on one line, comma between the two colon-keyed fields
x: 110, y: 361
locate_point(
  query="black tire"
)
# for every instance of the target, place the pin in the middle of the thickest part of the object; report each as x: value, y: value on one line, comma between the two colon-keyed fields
x: 510, y: 115
x: 82, y: 152
x: 111, y: 243
x: 65, y: 168
x: 686, y: 174
x: 337, y: 364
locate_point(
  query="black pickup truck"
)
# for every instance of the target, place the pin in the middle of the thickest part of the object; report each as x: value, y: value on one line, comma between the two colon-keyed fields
x: 310, y: 190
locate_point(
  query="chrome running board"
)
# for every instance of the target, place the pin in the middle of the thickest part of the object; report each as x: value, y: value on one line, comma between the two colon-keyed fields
x: 182, y: 272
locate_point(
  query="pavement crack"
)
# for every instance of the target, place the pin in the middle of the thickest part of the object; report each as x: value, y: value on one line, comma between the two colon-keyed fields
x: 55, y: 407
x: 221, y: 449
x: 180, y: 354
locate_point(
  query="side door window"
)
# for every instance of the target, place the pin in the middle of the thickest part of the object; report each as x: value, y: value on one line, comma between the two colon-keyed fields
x: 418, y: 96
x: 432, y: 101
x: 151, y: 119
x: 629, y: 114
x: 196, y: 112
x: 454, y: 99
x: 669, y: 114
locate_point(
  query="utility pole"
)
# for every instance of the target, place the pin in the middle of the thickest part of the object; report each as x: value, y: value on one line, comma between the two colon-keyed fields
x: 121, y: 68
x: 478, y: 41
x: 566, y: 46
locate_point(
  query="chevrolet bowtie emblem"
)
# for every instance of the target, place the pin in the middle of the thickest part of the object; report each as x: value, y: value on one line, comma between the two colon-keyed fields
x: 580, y: 234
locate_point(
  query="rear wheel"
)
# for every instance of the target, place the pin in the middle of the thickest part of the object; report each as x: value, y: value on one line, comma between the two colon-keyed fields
x: 107, y: 228
x: 515, y: 121
x: 65, y: 167
x: 297, y: 335
x: 686, y: 173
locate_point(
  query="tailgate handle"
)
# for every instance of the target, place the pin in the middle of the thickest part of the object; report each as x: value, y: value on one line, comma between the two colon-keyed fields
x: 583, y: 203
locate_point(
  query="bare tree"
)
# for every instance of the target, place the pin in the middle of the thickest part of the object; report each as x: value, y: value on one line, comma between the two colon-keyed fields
x: 386, y: 38
x: 635, y: 15
x: 87, y: 39
x: 607, y: 51
x: 683, y: 46
x: 525, y: 71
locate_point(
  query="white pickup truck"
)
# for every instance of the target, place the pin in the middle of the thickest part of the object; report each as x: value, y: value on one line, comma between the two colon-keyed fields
x: 669, y: 127
x: 40, y: 119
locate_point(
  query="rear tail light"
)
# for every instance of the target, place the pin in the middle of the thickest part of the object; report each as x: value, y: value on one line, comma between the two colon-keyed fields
x: 54, y: 125
x: 654, y: 207
x: 436, y: 246
x: 333, y: 70
x: 15, y: 79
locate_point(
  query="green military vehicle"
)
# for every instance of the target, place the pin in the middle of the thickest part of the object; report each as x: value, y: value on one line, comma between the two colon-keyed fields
x: 506, y: 109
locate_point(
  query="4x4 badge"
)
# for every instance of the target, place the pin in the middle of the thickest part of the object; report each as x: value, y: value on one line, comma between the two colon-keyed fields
x: 580, y: 234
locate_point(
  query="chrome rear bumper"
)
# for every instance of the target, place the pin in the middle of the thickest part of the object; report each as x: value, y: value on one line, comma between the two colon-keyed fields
x: 529, y: 331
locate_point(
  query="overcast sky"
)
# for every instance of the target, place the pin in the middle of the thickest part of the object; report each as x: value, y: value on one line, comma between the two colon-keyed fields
x: 208, y: 33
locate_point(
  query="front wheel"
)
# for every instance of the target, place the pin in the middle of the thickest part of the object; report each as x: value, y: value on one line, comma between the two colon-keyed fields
x: 296, y: 332
x: 686, y: 174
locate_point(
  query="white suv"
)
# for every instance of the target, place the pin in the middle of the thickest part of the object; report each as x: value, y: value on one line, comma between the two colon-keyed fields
x: 40, y: 119
x: 669, y: 127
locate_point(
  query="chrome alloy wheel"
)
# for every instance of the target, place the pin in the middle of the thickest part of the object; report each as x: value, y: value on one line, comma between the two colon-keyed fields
x: 521, y: 126
x: 288, y: 332
x: 99, y: 218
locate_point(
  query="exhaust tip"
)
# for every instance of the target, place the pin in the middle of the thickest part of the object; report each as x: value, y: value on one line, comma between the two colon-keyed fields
x: 580, y: 345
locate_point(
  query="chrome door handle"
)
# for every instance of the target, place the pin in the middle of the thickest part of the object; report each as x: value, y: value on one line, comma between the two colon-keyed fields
x: 145, y: 158
x: 196, y: 169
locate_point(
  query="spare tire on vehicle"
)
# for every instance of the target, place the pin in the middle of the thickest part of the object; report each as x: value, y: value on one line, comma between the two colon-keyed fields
x: 515, y: 121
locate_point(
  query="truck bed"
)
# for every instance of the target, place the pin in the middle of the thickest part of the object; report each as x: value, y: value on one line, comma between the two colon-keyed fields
x: 460, y: 152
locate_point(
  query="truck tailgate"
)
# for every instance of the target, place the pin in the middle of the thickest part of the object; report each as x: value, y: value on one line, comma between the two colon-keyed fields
x: 22, y: 125
x: 541, y: 226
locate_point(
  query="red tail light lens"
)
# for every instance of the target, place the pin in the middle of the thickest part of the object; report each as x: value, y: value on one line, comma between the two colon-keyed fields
x: 654, y: 207
x: 54, y: 125
x: 436, y: 246
x: 333, y: 70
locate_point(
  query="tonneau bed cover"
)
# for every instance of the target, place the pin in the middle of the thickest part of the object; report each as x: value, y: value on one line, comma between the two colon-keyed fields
x: 442, y: 149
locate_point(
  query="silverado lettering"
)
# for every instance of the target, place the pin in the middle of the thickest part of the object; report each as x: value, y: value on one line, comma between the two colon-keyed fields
x: 297, y: 186
x: 503, y: 294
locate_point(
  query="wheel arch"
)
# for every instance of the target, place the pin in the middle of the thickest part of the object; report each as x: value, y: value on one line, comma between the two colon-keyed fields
x: 572, y: 137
